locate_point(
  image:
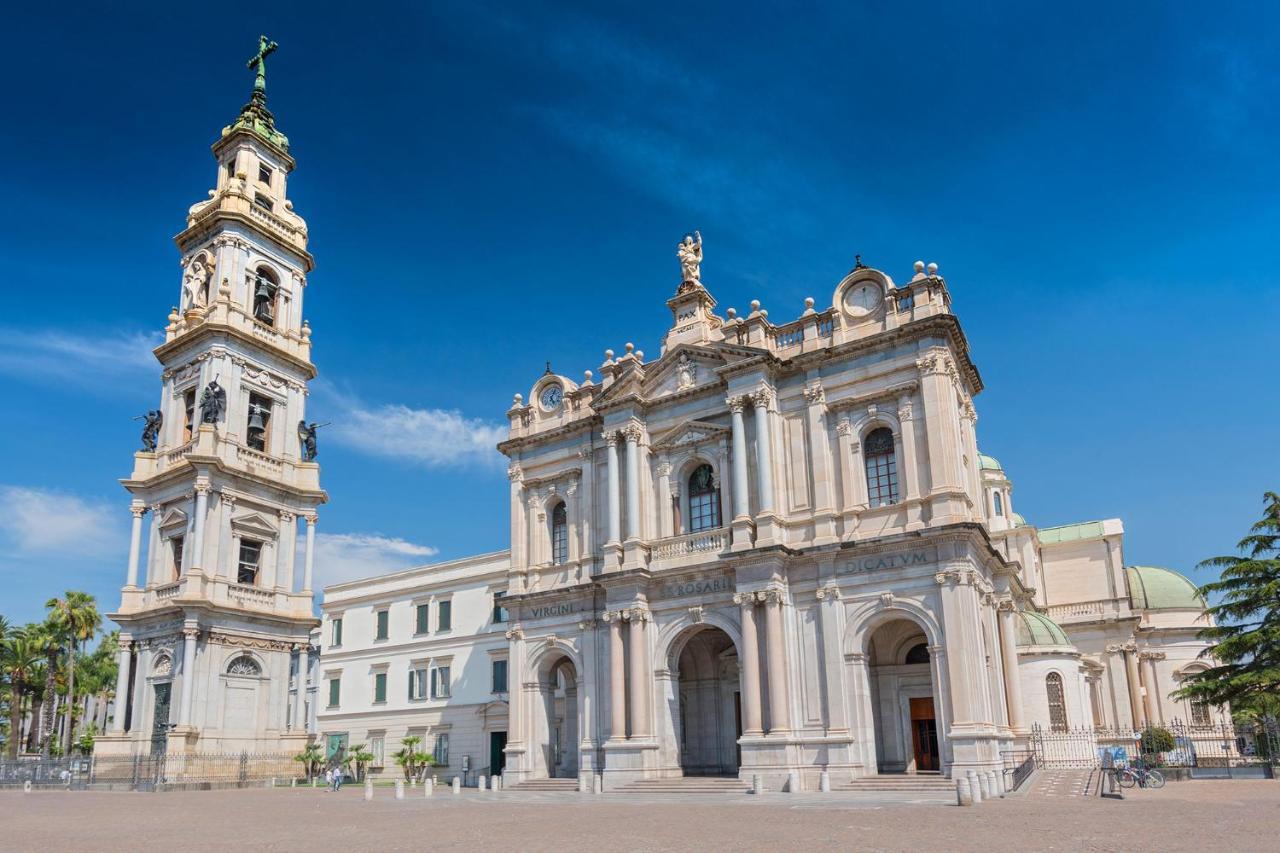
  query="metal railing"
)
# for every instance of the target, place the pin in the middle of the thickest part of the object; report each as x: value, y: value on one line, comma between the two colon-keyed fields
x: 153, y: 771
x: 1220, y: 745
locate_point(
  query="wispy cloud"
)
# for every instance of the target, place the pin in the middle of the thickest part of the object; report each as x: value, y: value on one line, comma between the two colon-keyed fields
x: 93, y: 361
x: 347, y: 556
x: 39, y: 522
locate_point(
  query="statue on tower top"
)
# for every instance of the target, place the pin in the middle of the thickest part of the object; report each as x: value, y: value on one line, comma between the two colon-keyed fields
x: 689, y: 251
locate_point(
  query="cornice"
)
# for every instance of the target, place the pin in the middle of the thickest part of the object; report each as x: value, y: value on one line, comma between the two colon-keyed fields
x: 208, y: 329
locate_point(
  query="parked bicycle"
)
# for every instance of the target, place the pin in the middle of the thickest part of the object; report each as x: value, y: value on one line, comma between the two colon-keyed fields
x: 1143, y: 777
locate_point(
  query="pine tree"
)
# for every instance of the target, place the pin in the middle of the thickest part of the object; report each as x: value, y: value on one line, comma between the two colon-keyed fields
x: 1246, y: 642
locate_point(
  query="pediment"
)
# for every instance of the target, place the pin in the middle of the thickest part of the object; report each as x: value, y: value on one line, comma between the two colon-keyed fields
x: 682, y: 368
x: 629, y: 383
x: 173, y: 517
x: 690, y: 434
x: 253, y: 522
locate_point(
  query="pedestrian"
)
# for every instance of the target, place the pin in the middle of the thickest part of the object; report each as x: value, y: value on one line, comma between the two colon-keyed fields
x: 337, y: 778
x: 328, y: 780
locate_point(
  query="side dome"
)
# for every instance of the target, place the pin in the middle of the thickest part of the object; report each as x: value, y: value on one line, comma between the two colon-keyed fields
x: 1156, y: 588
x: 1036, y: 629
x: 1018, y: 520
x: 989, y: 463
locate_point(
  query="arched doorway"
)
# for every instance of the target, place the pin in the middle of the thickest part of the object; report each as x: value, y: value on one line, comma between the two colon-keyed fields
x: 557, y: 719
x: 708, y: 722
x: 904, y: 704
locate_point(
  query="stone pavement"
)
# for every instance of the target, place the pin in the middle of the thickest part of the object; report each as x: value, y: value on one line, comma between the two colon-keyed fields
x: 1234, y: 815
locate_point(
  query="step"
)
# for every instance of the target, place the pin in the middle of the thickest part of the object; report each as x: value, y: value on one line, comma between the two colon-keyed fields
x: 546, y: 785
x: 688, y: 785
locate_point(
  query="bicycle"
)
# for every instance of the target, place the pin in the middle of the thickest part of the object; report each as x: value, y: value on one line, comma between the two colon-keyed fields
x: 1143, y: 777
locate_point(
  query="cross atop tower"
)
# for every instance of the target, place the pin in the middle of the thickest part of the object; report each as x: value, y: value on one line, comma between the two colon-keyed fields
x: 258, y: 62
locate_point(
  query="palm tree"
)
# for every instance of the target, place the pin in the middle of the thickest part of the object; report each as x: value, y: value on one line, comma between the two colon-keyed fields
x: 77, y: 618
x: 49, y: 640
x: 21, y: 654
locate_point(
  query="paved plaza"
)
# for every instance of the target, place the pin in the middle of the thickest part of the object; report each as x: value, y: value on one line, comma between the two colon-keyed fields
x: 1236, y: 816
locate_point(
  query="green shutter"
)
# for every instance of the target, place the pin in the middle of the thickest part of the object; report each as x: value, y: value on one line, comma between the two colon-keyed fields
x: 335, y: 687
x: 445, y: 619
x: 380, y: 687
x: 383, y: 617
x: 424, y: 617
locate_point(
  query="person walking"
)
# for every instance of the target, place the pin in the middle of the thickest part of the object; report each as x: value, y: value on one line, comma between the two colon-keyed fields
x: 328, y: 780
x: 337, y: 778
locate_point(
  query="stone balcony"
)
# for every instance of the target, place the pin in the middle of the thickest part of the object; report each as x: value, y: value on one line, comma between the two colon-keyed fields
x: 196, y: 587
x: 689, y: 549
x: 231, y: 317
x: 1099, y: 610
x: 213, y: 447
x: 236, y: 201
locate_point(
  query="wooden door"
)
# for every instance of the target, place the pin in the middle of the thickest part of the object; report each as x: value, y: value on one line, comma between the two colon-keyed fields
x: 924, y: 735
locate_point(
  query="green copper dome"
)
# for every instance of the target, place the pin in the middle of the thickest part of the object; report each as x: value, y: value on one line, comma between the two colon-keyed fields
x: 1154, y: 588
x: 989, y: 463
x: 1018, y: 520
x: 1036, y: 629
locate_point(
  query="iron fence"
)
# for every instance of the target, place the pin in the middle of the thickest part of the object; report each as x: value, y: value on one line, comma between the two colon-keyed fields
x: 1172, y: 744
x: 153, y: 771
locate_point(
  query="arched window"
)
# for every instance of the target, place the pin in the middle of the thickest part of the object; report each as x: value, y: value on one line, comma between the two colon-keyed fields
x: 882, y: 467
x: 919, y: 653
x: 265, y: 288
x: 1057, y: 702
x: 704, y: 500
x: 559, y: 535
x: 999, y: 502
x: 244, y: 665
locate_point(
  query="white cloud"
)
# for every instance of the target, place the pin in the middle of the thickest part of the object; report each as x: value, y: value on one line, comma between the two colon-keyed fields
x: 347, y: 556
x: 89, y: 360
x: 436, y: 438
x: 38, y: 522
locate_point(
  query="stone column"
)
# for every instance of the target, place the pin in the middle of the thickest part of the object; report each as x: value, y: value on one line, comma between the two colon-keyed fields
x: 833, y: 658
x: 752, y: 723
x: 666, y: 514
x: 741, y: 510
x: 519, y: 557
x: 285, y: 553
x: 1132, y: 682
x: 153, y: 545
x: 300, y: 702
x: 617, y: 679
x: 122, y: 685
x: 633, y: 482
x: 823, y: 476
x: 137, y: 509
x: 587, y: 516
x: 764, y: 451
x: 308, y: 561
x: 202, y: 509
x: 910, y: 470
x: 188, y: 675
x: 779, y: 713
x: 1009, y: 656
x: 1151, y: 695
x: 640, y: 727
x: 142, y: 711
x: 615, y: 497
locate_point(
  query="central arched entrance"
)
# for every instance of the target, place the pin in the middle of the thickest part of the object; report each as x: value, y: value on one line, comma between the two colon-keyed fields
x: 557, y: 719
x: 708, y: 692
x: 904, y: 704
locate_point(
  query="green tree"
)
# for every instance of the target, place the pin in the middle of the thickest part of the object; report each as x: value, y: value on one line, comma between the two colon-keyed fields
x: 311, y: 757
x: 76, y: 618
x: 49, y: 639
x: 360, y: 757
x: 1245, y: 646
x: 410, y: 758
x: 20, y: 655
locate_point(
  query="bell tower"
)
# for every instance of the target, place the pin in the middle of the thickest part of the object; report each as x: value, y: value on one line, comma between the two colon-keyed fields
x: 216, y: 609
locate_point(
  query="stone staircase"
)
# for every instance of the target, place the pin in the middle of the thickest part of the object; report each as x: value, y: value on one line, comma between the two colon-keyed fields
x: 560, y: 786
x: 688, y: 785
x: 900, y: 783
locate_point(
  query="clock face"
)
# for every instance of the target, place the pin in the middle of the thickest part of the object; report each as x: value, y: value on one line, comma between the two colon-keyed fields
x: 551, y: 397
x: 861, y: 299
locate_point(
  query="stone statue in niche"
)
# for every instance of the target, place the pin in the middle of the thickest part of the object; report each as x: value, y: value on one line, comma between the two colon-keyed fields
x: 195, y: 284
x: 689, y: 251
x: 307, y: 439
x: 686, y: 372
x: 150, y: 429
x: 213, y: 403
x: 264, y: 300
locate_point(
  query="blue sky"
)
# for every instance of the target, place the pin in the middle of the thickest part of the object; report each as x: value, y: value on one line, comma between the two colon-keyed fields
x: 1098, y: 185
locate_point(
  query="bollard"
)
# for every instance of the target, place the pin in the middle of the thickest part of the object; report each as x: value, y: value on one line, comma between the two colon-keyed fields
x: 1002, y: 786
x: 427, y: 787
x: 757, y: 784
x: 457, y: 784
x: 582, y: 784
x: 368, y: 789
x: 481, y: 783
x: 984, y: 784
x: 293, y: 783
x: 399, y: 789
x: 975, y: 790
x: 26, y: 787
x: 793, y: 781
x: 963, y: 796
x: 597, y: 783
x: 413, y: 782
x: 824, y: 782
x: 992, y: 784
x: 495, y: 782
x: 315, y: 782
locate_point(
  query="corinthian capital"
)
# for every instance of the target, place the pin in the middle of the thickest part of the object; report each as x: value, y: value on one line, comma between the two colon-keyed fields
x: 815, y: 394
x: 762, y: 398
x: 515, y: 473
x: 736, y: 404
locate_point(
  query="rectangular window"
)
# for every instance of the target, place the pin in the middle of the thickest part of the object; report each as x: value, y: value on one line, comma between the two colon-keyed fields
x: 176, y: 544
x: 499, y: 676
x: 189, y: 406
x: 423, y: 618
x: 264, y: 174
x: 384, y: 620
x: 335, y: 690
x: 440, y: 682
x: 499, y: 612
x: 377, y: 745
x: 258, y: 422
x: 262, y: 201
x: 441, y: 751
x: 444, y: 615
x: 379, y: 687
x: 231, y: 168
x: 250, y: 556
x: 335, y: 632
x: 417, y: 681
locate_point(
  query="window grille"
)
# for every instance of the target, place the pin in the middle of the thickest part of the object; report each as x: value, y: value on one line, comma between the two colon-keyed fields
x: 882, y: 467
x: 1057, y: 702
x: 244, y: 665
x: 559, y: 535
